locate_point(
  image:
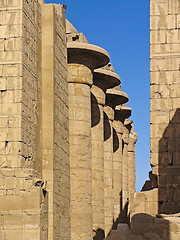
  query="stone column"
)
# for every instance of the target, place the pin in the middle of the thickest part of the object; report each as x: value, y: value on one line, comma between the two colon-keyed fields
x: 103, y: 79
x: 118, y: 161
x: 82, y: 59
x: 131, y: 158
x: 123, y: 113
x: 113, y: 98
x: 125, y: 191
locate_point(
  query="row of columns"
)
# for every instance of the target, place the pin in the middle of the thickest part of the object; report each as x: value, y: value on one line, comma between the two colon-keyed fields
x: 100, y: 156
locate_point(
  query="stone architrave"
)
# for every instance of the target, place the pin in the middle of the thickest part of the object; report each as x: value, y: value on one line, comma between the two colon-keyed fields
x: 83, y: 58
x: 118, y: 158
x: 102, y: 80
x: 113, y: 98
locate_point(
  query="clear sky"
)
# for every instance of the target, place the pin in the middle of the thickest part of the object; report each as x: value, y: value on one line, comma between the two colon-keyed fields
x: 122, y: 28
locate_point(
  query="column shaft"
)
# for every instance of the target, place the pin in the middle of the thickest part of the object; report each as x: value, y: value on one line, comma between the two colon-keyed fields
x: 131, y: 170
x: 97, y: 160
x: 125, y: 189
x: 79, y: 76
x: 132, y: 161
x: 108, y: 168
x: 117, y: 164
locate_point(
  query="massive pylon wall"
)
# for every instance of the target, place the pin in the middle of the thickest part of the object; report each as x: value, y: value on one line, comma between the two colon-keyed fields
x: 165, y: 102
x: 33, y: 156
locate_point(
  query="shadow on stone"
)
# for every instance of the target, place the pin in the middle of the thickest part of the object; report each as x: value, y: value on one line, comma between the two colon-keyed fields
x: 144, y: 226
x: 123, y: 215
x: 95, y: 112
x: 169, y: 167
x: 107, y: 128
x: 115, y: 141
x: 99, y: 234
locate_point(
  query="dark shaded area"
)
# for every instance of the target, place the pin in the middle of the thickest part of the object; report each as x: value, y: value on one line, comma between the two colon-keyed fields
x: 123, y: 217
x: 107, y: 127
x: 169, y: 167
x: 148, y: 227
x: 129, y: 127
x: 122, y: 146
x: 95, y: 112
x: 150, y: 184
x: 115, y: 141
x: 99, y: 234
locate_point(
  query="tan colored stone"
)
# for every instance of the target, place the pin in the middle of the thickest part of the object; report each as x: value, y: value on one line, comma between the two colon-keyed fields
x: 156, y: 22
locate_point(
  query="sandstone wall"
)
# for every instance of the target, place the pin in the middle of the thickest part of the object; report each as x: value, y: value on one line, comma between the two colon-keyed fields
x: 55, y: 141
x: 61, y: 132
x: 19, y: 37
x: 29, y: 111
x: 165, y: 101
x: 23, y: 200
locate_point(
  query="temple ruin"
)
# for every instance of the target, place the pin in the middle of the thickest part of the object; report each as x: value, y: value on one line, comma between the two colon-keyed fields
x: 67, y: 142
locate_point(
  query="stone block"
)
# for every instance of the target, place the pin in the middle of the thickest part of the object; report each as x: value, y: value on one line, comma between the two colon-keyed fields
x: 142, y: 221
x: 156, y: 104
x: 3, y: 84
x: 152, y: 236
x: 154, y: 147
x: 159, y: 117
x: 11, y: 17
x: 152, y: 208
x: 168, y: 22
x: 2, y: 45
x: 173, y: 36
x: 175, y: 103
x: 157, y: 130
x: 164, y: 77
x: 13, y: 4
x: 12, y: 70
x: 138, y: 203
x: 159, y: 7
x: 159, y: 91
x: 174, y: 90
x: 154, y: 159
x: 11, y: 31
x: 178, y: 21
x: 163, y: 50
x: 158, y: 37
x: 165, y: 64
x: 173, y: 7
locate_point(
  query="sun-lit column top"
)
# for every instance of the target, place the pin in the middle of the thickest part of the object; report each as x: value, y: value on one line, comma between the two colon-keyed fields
x: 102, y: 80
x: 122, y: 112
x: 87, y: 54
x: 105, y: 79
x: 128, y: 122
x: 115, y: 97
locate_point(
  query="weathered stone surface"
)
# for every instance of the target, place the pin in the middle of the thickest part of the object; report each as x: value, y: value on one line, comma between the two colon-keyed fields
x: 28, y: 202
x: 55, y: 127
x: 50, y: 92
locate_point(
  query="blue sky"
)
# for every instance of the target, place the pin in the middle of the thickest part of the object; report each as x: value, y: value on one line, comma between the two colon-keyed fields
x: 122, y: 28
